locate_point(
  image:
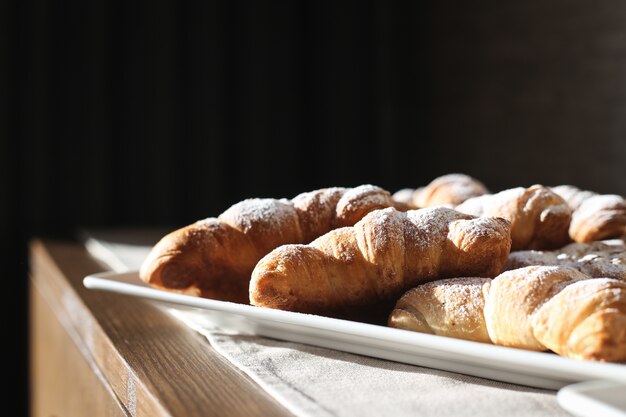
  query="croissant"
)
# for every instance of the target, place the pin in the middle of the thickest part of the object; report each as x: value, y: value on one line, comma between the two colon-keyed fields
x: 450, y: 190
x: 535, y: 308
x: 214, y: 257
x: 539, y: 218
x: 594, y: 216
x: 404, y: 197
x: 376, y: 260
x: 596, y: 259
x: 447, y: 307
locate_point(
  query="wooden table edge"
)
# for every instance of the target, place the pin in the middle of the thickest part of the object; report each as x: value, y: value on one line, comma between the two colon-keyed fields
x: 205, y: 384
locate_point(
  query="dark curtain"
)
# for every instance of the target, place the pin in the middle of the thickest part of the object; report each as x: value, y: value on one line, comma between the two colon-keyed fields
x: 168, y: 111
x: 120, y: 113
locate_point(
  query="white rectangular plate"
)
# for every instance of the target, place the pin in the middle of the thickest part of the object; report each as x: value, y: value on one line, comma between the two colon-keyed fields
x: 537, y: 369
x: 594, y: 398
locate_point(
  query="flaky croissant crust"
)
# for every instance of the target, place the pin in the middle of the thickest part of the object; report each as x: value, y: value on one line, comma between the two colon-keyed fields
x: 448, y: 190
x: 539, y: 217
x: 536, y: 308
x: 595, y: 216
x: 376, y: 260
x: 214, y: 257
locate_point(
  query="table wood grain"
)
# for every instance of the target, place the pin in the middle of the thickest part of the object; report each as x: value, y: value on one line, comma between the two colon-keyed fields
x: 95, y: 353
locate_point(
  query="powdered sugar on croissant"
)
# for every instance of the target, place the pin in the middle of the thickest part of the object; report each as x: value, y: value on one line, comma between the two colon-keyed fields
x: 595, y: 216
x: 596, y: 259
x: 448, y: 190
x: 376, y: 260
x: 214, y: 257
x: 539, y: 218
x: 536, y: 308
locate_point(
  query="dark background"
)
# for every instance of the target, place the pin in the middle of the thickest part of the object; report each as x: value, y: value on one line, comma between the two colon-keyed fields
x: 118, y: 113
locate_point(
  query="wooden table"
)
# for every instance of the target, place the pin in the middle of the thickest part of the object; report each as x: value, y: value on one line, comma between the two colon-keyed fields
x: 102, y: 354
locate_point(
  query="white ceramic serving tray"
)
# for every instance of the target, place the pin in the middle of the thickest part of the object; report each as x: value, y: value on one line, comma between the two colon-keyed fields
x: 537, y: 369
x: 594, y: 398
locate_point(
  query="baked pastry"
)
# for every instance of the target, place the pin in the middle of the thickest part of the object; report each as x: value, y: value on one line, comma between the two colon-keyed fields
x: 539, y: 217
x: 534, y: 308
x: 375, y: 261
x: 448, y: 190
x: 214, y: 257
x: 596, y: 259
x: 594, y: 216
x: 447, y: 307
x: 404, y: 198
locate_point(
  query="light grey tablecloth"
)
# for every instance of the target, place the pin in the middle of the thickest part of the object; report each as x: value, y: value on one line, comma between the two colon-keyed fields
x: 312, y: 381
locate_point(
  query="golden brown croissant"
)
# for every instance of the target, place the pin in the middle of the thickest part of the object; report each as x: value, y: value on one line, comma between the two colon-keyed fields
x: 594, y: 216
x: 404, y: 198
x: 449, y: 190
x: 214, y: 257
x: 376, y: 260
x: 539, y: 218
x: 597, y: 259
x: 535, y: 308
x: 448, y: 307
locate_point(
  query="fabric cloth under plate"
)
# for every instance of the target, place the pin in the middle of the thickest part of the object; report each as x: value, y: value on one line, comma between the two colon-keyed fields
x: 314, y: 381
